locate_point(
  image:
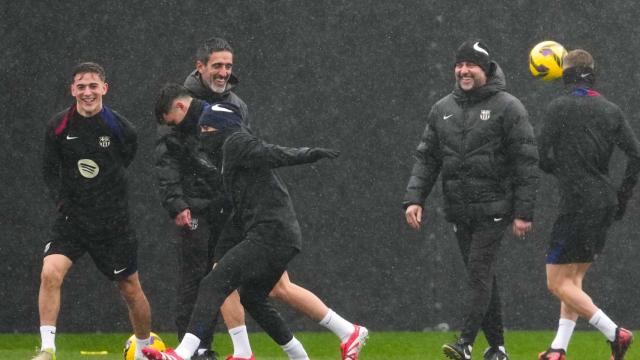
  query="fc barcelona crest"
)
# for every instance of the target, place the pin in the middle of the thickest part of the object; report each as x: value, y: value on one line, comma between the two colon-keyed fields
x: 194, y: 224
x: 104, y: 141
x: 485, y: 114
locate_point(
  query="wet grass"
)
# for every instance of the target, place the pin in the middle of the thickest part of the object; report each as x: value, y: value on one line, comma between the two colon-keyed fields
x: 521, y: 345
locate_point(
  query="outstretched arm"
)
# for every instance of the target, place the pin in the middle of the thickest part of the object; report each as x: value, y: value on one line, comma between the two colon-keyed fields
x: 246, y: 150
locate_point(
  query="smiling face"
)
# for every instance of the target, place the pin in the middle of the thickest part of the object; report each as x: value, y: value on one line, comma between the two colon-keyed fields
x: 216, y: 72
x: 469, y: 75
x: 88, y: 89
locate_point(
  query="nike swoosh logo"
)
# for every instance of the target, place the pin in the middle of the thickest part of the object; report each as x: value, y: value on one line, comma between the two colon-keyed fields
x: 217, y: 107
x: 584, y: 75
x: 497, y: 219
x: 447, y: 116
x: 116, y: 272
x: 477, y: 47
x: 71, y: 137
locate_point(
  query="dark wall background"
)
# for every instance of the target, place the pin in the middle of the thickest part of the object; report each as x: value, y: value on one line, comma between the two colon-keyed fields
x: 358, y: 76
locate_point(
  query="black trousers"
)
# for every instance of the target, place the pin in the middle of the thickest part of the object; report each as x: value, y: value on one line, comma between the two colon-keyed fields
x: 479, y: 242
x: 195, y: 250
x: 253, y: 269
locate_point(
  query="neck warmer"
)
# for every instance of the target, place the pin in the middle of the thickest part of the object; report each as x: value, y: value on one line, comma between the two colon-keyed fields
x: 580, y: 75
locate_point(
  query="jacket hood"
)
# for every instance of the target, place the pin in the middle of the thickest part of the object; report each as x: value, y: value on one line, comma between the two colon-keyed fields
x: 496, y: 82
x: 200, y: 90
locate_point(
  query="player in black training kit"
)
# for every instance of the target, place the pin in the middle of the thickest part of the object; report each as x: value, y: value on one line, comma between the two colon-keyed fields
x: 577, y: 140
x: 214, y: 81
x: 264, y: 210
x: 87, y: 150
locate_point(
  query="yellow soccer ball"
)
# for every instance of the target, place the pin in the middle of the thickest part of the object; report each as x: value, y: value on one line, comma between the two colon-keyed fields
x: 130, y: 346
x: 545, y: 60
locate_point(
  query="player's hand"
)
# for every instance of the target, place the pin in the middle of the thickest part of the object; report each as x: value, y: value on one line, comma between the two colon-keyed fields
x: 184, y: 218
x: 521, y: 227
x: 319, y: 153
x: 413, y: 214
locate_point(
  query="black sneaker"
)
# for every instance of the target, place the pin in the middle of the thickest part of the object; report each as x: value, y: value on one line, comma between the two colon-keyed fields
x: 498, y: 353
x: 459, y: 350
x: 207, y: 355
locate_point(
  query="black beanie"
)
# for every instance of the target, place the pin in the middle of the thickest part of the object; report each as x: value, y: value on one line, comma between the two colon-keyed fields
x: 222, y: 116
x: 474, y: 51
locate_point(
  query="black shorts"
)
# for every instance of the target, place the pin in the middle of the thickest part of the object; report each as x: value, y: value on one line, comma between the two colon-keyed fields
x: 113, y: 250
x: 579, y: 237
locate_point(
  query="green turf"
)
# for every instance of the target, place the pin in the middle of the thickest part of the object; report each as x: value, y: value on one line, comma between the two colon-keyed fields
x: 585, y: 345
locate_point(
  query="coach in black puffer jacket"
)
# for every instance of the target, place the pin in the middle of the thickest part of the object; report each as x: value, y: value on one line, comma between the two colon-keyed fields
x: 480, y: 139
x: 483, y: 144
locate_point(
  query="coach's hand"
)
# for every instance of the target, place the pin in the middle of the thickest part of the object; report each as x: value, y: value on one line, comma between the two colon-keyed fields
x: 319, y: 153
x: 184, y: 218
x: 521, y: 227
x: 413, y: 214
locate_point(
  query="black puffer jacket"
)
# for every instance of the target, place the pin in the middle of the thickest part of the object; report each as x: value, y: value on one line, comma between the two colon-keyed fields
x: 181, y: 182
x: 483, y: 144
x: 201, y: 91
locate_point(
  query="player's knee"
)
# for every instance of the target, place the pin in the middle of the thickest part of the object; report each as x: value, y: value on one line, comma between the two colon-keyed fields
x: 51, y: 277
x: 130, y: 290
x: 555, y: 287
x: 249, y: 299
x: 280, y: 291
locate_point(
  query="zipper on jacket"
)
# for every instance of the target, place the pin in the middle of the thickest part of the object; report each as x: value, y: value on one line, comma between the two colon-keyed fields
x: 463, y: 166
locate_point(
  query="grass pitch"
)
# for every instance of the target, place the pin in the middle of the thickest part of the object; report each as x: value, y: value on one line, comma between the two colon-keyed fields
x: 521, y: 345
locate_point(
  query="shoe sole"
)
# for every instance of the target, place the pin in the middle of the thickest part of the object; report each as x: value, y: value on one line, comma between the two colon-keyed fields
x: 623, y: 351
x: 451, y: 353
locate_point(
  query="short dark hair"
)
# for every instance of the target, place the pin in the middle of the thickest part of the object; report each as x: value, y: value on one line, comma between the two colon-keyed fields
x: 579, y: 57
x: 89, y: 67
x: 168, y: 94
x: 210, y: 46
